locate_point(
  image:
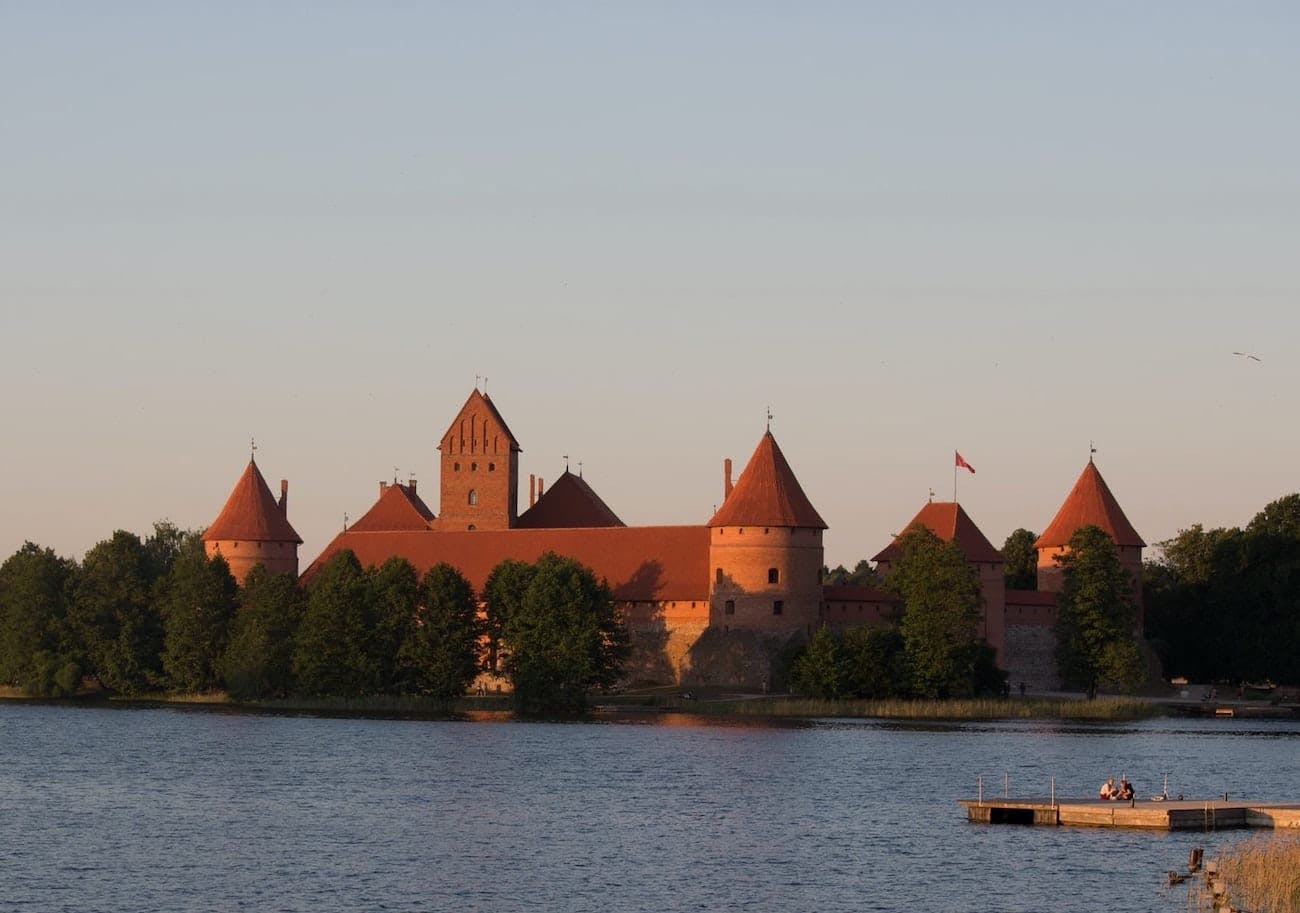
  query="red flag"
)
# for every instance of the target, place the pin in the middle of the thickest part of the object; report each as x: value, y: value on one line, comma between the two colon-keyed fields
x: 962, y: 464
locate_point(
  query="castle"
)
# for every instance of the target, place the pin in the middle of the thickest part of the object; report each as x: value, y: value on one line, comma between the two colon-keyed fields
x: 717, y: 604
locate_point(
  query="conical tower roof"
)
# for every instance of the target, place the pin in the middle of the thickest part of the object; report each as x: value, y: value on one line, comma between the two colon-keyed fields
x: 251, y: 513
x: 768, y: 494
x: 569, y: 503
x: 949, y: 521
x: 1089, y: 503
x: 398, y: 508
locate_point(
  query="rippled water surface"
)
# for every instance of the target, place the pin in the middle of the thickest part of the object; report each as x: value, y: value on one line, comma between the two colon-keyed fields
x: 166, y: 809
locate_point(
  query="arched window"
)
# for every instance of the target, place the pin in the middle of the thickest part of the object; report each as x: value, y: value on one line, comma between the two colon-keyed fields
x: 719, y: 576
x: 473, y: 467
x: 473, y: 497
x: 456, y: 467
x: 773, y: 575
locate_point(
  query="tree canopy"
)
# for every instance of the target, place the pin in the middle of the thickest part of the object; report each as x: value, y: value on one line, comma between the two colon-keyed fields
x: 115, y: 617
x: 1097, y: 619
x: 439, y: 654
x: 940, y: 597
x: 1020, y: 560
x: 196, y: 599
x: 563, y: 637
x: 38, y: 649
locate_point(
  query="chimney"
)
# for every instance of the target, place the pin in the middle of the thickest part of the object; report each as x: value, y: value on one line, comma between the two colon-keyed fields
x: 726, y: 478
x: 410, y: 483
x: 383, y: 487
x: 539, y: 487
x: 532, y: 489
x: 284, y: 497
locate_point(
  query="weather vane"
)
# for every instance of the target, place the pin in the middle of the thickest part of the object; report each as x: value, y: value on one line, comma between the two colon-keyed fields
x: 769, y: 418
x: 252, y: 447
x: 566, y: 462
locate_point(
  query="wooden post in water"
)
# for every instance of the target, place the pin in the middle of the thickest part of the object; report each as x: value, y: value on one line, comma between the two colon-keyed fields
x: 1006, y: 784
x: 981, y: 789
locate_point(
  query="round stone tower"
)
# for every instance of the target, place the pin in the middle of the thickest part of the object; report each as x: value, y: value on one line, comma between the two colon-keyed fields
x: 765, y: 549
x: 253, y: 528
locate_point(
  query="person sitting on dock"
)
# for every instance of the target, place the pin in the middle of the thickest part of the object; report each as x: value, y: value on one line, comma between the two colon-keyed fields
x: 1125, y: 789
x: 1108, y: 790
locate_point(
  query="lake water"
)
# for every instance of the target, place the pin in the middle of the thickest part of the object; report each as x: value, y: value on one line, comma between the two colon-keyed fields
x: 106, y: 809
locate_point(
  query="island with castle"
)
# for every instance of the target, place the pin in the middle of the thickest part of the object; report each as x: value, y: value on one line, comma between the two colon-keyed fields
x: 716, y: 604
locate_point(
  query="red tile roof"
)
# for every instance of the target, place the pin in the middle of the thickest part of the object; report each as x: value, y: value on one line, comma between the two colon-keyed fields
x: 398, y: 508
x: 643, y: 563
x: 949, y: 521
x: 569, y: 502
x: 480, y: 400
x: 768, y: 494
x: 1089, y: 503
x: 251, y: 514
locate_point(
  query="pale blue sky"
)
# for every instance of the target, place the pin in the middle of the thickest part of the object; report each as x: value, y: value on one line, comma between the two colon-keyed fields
x: 1002, y: 228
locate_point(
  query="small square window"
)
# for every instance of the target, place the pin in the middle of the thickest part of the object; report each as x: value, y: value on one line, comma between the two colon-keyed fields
x: 778, y: 607
x: 729, y: 608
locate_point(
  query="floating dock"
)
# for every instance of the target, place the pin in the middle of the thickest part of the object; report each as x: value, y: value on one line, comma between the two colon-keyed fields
x: 1171, y: 815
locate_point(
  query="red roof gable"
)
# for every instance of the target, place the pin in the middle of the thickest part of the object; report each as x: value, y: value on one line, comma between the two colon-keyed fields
x: 479, y: 400
x: 949, y: 521
x: 397, y: 508
x: 643, y: 563
x: 569, y: 502
x: 1089, y: 503
x: 251, y: 514
x: 768, y: 494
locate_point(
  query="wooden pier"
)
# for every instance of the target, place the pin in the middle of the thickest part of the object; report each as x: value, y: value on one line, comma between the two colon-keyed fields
x: 1171, y: 815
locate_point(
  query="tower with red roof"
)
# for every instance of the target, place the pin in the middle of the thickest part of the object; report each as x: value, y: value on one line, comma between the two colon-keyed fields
x: 1089, y: 503
x: 765, y: 548
x: 253, y: 528
x: 479, y: 469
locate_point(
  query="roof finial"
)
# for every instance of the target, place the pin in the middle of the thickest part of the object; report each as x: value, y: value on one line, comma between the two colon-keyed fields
x: 566, y: 462
x: 1091, y: 450
x: 394, y: 475
x: 932, y: 495
x: 485, y: 385
x: 769, y: 418
x: 477, y: 378
x: 345, y: 522
x: 252, y: 449
x: 580, y: 469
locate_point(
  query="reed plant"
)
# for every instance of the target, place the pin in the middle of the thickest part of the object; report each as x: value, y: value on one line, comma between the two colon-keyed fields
x: 1263, y: 874
x: 955, y: 709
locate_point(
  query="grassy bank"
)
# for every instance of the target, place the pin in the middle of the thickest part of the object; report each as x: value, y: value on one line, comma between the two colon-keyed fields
x: 1116, y: 708
x: 672, y: 699
x: 1263, y: 874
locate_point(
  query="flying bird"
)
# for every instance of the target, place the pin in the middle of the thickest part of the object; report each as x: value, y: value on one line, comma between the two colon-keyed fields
x: 1248, y: 355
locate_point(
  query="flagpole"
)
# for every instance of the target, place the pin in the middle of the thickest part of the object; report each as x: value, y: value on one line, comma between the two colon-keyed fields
x: 954, y: 477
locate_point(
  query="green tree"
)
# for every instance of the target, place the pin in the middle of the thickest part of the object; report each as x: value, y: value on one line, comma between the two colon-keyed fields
x: 197, y: 603
x: 394, y: 602
x: 563, y: 638
x: 439, y: 655
x: 1020, y: 560
x: 875, y: 662
x: 332, y: 651
x: 164, y: 546
x: 940, y: 597
x: 1097, y: 621
x: 115, y: 618
x: 502, y: 593
x: 258, y: 662
x: 37, y: 650
x: 818, y: 671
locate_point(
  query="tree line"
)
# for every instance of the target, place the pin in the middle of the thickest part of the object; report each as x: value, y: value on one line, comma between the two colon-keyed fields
x: 158, y: 614
x: 930, y: 648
